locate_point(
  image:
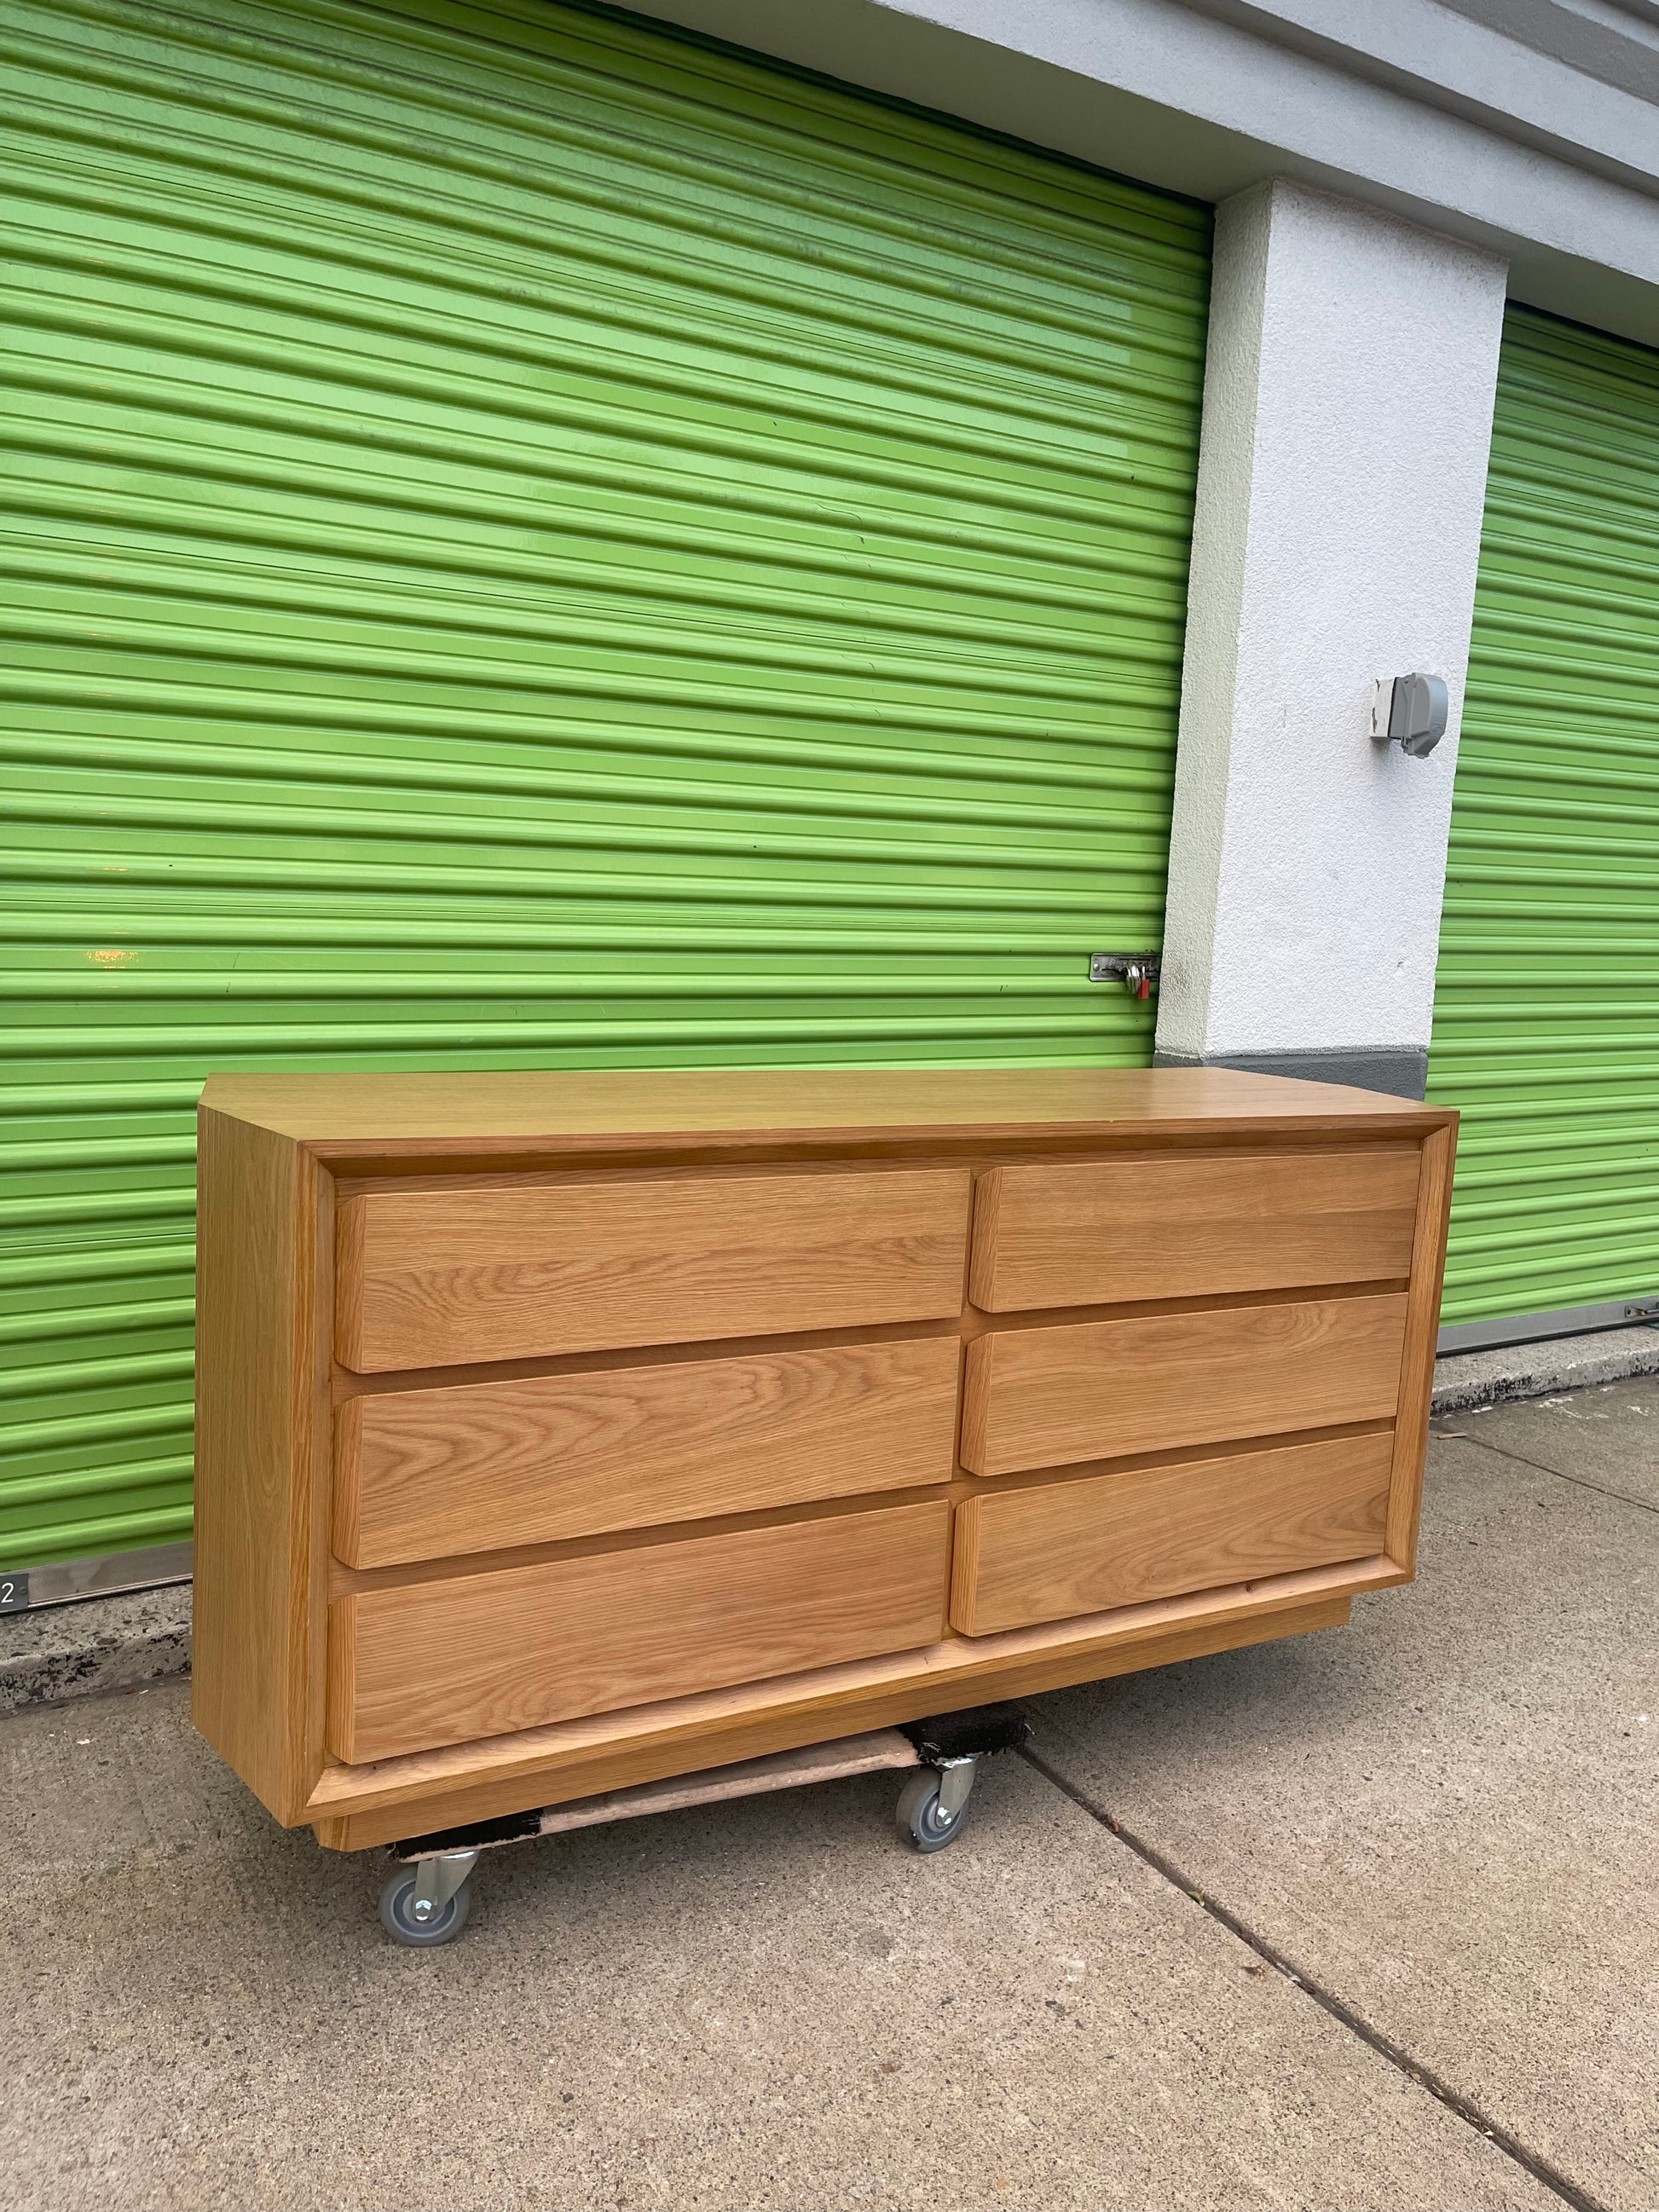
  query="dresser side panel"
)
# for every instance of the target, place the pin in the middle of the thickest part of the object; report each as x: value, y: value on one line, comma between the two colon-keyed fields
x: 254, y: 1630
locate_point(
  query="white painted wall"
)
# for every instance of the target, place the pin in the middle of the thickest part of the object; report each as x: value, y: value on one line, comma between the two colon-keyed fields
x: 1347, y: 413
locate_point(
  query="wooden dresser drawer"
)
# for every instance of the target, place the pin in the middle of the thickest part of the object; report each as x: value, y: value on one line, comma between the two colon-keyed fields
x: 505, y: 1271
x: 1052, y: 1550
x: 1037, y: 1397
x: 474, y: 1655
x: 1191, y: 1225
x: 422, y: 1474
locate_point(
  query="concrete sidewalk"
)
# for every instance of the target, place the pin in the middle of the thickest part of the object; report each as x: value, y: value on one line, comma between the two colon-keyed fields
x: 1440, y: 1819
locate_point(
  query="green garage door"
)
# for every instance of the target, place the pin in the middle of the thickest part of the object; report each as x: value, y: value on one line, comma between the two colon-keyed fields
x: 533, y: 542
x: 1547, y: 1006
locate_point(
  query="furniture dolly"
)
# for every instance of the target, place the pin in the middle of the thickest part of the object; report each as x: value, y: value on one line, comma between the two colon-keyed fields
x: 431, y: 1905
x: 573, y: 1445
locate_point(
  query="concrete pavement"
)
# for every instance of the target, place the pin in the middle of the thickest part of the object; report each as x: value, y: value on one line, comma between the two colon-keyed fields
x: 1441, y: 1817
x: 1608, y: 1439
x: 1446, y: 1814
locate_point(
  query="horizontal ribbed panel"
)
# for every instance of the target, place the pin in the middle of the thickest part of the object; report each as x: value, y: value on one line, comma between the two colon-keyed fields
x: 533, y: 543
x: 1547, y: 1002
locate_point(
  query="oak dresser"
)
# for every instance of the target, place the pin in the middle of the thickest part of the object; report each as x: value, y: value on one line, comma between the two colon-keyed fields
x: 562, y: 1431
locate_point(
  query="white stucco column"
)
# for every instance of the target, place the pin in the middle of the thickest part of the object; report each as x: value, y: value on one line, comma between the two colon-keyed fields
x: 1347, y: 414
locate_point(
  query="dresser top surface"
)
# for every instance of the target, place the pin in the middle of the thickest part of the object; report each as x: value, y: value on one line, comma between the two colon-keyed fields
x: 531, y: 1106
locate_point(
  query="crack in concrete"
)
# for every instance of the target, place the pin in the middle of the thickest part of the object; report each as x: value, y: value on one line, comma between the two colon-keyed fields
x: 1425, y: 2077
x: 1519, y: 1459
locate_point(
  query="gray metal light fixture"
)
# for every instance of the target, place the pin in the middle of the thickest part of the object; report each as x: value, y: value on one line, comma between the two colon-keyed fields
x: 1410, y: 711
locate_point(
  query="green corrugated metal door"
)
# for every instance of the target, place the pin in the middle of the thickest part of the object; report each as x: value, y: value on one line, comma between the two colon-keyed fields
x: 534, y: 542
x: 1546, y: 1004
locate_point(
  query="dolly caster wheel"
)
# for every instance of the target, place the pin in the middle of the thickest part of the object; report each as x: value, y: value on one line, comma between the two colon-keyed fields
x: 933, y: 1806
x: 427, y: 1904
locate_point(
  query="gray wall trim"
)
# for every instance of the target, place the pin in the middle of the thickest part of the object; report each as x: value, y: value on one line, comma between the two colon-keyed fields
x: 1401, y: 1072
x: 1564, y: 1321
x: 66, y: 1581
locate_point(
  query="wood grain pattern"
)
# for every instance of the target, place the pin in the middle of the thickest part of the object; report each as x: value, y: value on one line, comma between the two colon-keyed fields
x: 421, y: 1642
x: 1057, y: 1397
x: 431, y: 1278
x: 397, y: 1797
x: 255, y: 1565
x: 1417, y: 1361
x: 1050, y: 1551
x: 394, y: 1115
x: 424, y: 1474
x: 1191, y: 1225
x: 484, y: 1655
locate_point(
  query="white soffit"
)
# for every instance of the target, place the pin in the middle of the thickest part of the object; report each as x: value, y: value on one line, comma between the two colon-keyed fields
x: 1456, y: 117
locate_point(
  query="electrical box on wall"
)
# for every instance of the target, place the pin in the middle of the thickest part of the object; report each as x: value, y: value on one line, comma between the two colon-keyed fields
x: 1410, y: 711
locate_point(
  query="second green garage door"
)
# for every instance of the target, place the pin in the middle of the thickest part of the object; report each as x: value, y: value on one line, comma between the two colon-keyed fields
x: 533, y: 543
x: 1547, y: 1005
